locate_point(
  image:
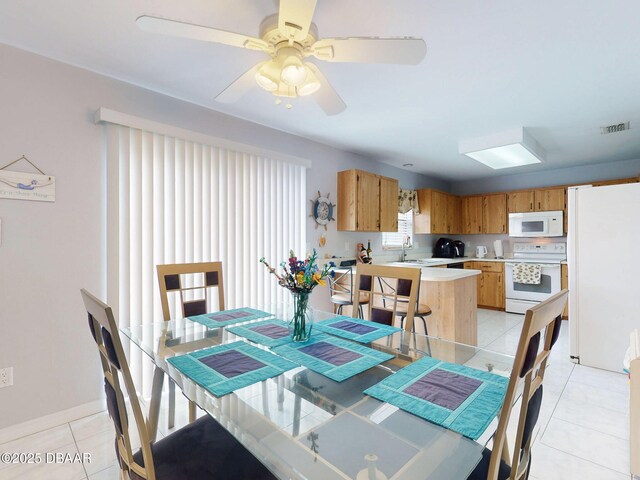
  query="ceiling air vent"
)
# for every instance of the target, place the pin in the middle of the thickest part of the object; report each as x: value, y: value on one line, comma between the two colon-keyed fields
x: 618, y: 127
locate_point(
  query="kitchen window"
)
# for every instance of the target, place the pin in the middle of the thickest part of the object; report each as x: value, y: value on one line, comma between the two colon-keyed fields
x: 392, y: 240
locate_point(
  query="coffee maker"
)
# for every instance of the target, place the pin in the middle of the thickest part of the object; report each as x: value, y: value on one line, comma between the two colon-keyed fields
x: 444, y: 248
x: 458, y: 248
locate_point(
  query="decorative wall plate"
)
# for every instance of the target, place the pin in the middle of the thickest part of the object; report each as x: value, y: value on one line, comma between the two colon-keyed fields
x: 322, y: 210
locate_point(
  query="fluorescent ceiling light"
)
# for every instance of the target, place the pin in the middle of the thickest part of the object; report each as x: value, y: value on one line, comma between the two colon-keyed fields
x: 513, y: 148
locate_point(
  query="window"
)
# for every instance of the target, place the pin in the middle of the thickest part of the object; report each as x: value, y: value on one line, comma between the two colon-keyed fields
x: 172, y: 200
x: 405, y: 229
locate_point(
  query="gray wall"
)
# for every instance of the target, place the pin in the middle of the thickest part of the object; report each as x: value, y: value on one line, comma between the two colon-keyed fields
x: 49, y: 251
x: 561, y: 176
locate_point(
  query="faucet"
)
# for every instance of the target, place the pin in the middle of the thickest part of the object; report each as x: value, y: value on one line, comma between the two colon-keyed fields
x: 406, y: 242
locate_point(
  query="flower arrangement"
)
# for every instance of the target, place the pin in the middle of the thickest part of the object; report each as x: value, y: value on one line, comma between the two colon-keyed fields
x: 300, y: 277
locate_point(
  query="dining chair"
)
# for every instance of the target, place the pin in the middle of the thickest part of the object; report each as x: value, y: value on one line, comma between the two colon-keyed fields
x: 202, y: 449
x: 378, y: 307
x: 421, y: 310
x: 172, y: 281
x: 341, y: 293
x: 542, y: 325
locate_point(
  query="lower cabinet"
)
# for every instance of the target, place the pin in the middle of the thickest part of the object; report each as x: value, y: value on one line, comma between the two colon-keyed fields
x: 491, y: 292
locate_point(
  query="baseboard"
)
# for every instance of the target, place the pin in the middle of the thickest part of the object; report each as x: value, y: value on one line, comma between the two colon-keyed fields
x: 49, y: 421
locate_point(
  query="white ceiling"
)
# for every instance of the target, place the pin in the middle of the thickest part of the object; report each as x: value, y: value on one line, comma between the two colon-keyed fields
x: 560, y: 68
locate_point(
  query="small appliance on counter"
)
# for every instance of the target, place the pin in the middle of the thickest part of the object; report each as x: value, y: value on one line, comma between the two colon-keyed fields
x: 481, y: 251
x: 497, y: 248
x: 458, y: 248
x: 444, y: 248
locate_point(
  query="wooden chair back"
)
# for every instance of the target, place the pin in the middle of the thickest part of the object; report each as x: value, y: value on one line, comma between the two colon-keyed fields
x: 171, y: 279
x: 540, y: 332
x: 116, y: 373
x: 383, y: 306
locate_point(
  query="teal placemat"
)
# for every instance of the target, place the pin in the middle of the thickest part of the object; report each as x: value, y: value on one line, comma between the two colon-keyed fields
x: 269, y: 333
x: 228, y: 317
x: 332, y: 357
x: 225, y: 368
x: 362, y: 331
x: 459, y: 398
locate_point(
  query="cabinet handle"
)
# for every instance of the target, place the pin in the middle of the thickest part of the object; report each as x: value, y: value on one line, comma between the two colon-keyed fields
x: 538, y: 205
x: 531, y: 206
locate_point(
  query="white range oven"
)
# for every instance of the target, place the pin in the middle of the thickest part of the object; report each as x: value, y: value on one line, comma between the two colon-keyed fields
x: 521, y: 296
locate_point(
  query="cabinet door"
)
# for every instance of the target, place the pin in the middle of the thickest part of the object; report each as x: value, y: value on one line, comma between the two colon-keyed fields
x: 368, y: 203
x: 388, y: 204
x: 439, y: 206
x: 518, y: 202
x: 422, y: 220
x: 491, y: 290
x: 564, y: 283
x: 550, y: 199
x: 471, y: 215
x: 494, y: 213
x: 453, y: 214
x: 347, y: 198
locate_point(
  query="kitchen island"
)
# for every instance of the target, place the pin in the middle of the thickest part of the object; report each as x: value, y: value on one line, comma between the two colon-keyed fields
x: 452, y: 296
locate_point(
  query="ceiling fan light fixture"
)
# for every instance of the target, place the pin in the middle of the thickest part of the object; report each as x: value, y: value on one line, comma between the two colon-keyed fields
x: 293, y: 72
x: 267, y: 76
x: 311, y: 85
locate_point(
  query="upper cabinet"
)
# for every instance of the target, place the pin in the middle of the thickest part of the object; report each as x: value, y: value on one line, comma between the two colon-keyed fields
x: 494, y: 213
x: 522, y: 201
x: 471, y: 215
x: 439, y: 213
x: 388, y: 204
x: 550, y: 199
x: 367, y: 202
x: 484, y: 213
x: 539, y: 200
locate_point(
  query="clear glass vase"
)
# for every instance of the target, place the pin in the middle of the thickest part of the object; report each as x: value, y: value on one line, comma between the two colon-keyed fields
x: 302, y: 321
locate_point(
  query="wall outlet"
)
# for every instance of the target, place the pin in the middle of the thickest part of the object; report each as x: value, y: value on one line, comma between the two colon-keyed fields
x: 6, y: 377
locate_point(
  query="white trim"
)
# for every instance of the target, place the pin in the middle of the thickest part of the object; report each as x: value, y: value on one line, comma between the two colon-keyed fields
x: 105, y: 115
x: 40, y: 424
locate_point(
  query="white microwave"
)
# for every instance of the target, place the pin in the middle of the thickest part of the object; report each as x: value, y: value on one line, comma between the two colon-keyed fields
x: 536, y: 224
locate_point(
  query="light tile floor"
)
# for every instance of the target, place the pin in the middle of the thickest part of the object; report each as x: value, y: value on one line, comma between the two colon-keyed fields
x: 582, y: 433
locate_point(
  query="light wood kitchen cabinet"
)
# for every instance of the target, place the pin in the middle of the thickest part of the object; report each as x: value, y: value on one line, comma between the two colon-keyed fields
x: 388, y: 204
x: 454, y: 214
x: 490, y: 284
x: 564, y: 283
x: 471, y: 215
x: 520, y: 201
x: 439, y: 213
x: 550, y: 199
x: 367, y: 202
x: 491, y: 292
x: 494, y: 213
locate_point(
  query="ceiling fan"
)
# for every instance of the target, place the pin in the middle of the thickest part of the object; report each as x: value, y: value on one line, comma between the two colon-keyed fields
x: 289, y: 38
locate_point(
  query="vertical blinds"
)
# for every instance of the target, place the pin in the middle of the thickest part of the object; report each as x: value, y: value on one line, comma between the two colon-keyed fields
x: 172, y: 200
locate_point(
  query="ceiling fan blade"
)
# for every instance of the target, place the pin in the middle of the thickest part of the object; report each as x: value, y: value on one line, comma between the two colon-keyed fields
x: 175, y: 28
x: 294, y: 18
x: 409, y: 51
x: 240, y: 86
x: 326, y: 96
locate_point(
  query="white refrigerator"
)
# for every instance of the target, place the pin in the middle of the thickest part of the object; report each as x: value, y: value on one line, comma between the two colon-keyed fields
x: 604, y: 272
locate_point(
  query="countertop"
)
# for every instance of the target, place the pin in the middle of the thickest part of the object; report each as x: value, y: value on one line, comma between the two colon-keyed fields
x: 430, y: 274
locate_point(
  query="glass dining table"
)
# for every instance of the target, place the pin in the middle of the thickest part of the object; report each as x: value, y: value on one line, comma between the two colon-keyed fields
x: 303, y: 425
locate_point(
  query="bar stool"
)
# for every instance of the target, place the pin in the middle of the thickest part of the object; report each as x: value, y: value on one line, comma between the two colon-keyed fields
x: 341, y: 295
